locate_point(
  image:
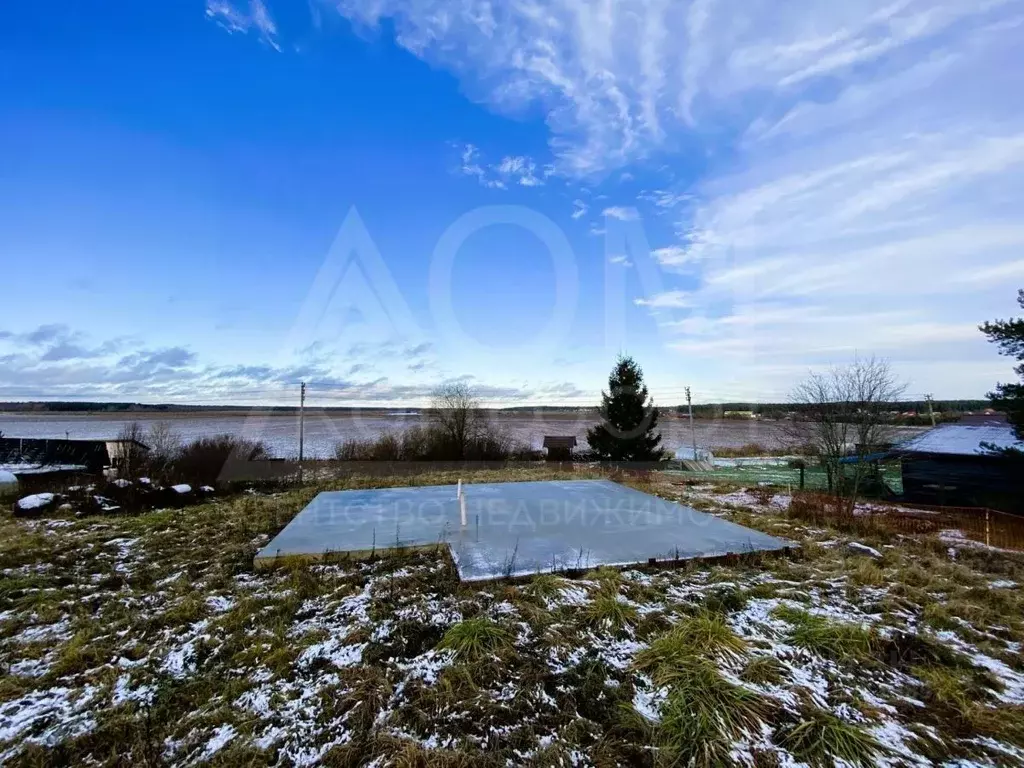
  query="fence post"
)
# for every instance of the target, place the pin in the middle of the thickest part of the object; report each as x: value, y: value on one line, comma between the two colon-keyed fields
x: 987, y: 542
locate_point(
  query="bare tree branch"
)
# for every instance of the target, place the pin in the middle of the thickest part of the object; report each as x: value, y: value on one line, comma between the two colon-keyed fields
x: 456, y: 411
x: 845, y: 413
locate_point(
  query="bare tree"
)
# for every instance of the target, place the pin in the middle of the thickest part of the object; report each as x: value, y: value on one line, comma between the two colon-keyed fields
x: 456, y: 412
x: 131, y: 452
x: 845, y: 413
x: 164, y: 447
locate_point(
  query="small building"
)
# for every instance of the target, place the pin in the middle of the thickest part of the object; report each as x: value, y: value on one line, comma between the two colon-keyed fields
x: 559, y: 447
x: 695, y: 459
x: 954, y: 465
x: 38, y: 462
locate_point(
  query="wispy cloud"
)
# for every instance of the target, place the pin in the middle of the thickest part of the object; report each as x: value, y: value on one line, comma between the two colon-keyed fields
x: 234, y: 18
x: 665, y: 199
x: 55, y: 361
x: 521, y: 170
x: 511, y: 170
x: 621, y: 260
x: 619, y: 80
x: 667, y: 300
x: 125, y: 370
x: 853, y: 155
x: 671, y: 256
x: 620, y: 213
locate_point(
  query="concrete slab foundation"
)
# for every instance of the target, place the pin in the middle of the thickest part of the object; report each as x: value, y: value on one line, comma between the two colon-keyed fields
x: 513, y: 529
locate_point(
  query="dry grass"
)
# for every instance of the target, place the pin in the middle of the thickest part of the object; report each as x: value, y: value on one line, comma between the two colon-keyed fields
x: 473, y: 639
x: 820, y: 738
x: 151, y: 639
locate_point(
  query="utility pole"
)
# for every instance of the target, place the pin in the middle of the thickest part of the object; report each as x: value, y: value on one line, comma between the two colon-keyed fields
x: 931, y: 411
x: 693, y: 431
x: 302, y: 424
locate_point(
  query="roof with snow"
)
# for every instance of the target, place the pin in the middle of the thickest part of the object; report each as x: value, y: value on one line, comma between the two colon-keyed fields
x: 962, y: 440
x: 52, y: 455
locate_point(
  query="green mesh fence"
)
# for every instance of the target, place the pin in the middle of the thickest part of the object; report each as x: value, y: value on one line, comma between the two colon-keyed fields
x: 814, y: 477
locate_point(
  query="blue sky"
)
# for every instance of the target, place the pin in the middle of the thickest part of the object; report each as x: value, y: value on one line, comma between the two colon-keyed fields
x: 211, y: 204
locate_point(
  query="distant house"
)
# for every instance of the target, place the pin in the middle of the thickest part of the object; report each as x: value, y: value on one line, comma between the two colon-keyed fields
x: 559, y: 447
x: 950, y: 465
x: 38, y: 461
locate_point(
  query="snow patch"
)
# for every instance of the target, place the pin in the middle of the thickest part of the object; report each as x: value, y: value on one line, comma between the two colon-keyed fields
x: 35, y: 501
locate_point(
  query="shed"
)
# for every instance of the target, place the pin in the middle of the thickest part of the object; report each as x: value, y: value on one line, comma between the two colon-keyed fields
x: 559, y: 447
x: 41, y: 460
x: 953, y: 465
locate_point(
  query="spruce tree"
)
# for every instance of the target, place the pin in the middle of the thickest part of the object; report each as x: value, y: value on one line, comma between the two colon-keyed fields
x: 1008, y: 335
x: 628, y: 422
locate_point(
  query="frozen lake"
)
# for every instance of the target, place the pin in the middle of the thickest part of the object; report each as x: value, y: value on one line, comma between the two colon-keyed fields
x: 325, y: 429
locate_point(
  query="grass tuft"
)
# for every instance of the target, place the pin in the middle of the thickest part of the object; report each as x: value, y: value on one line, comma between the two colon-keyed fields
x: 703, y: 715
x: 964, y: 695
x: 697, y: 636
x: 475, y: 638
x: 544, y: 585
x: 866, y: 573
x: 607, y: 578
x: 763, y: 670
x: 820, y: 739
x: 725, y: 599
x: 828, y: 638
x: 607, y: 610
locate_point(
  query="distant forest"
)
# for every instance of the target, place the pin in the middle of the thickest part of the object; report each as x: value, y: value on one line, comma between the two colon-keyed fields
x: 946, y: 410
x: 84, y: 407
x: 910, y: 411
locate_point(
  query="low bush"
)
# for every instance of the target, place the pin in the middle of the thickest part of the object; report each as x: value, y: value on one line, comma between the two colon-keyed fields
x: 203, y: 461
x: 431, y: 443
x: 759, y: 449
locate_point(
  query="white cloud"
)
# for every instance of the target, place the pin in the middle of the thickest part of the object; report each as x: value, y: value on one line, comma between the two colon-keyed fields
x: 521, y: 169
x: 511, y: 170
x: 665, y: 199
x: 471, y: 161
x: 1011, y: 270
x: 856, y: 156
x: 619, y: 80
x: 667, y: 300
x: 620, y: 213
x: 671, y: 256
x: 255, y: 18
x: 621, y: 260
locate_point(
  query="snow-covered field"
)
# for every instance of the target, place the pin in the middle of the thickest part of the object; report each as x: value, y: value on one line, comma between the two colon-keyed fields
x: 152, y: 640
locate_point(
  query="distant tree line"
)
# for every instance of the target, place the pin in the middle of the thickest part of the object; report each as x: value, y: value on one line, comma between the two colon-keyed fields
x: 705, y: 411
x: 944, y: 410
x: 81, y: 407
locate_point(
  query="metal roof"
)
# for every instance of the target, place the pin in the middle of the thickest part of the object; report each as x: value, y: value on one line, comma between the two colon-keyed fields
x: 961, y: 440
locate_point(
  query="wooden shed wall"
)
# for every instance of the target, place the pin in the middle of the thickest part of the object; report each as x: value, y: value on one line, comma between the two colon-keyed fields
x: 970, y: 481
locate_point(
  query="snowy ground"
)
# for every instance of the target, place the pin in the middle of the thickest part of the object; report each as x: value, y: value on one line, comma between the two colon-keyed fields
x: 151, y: 639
